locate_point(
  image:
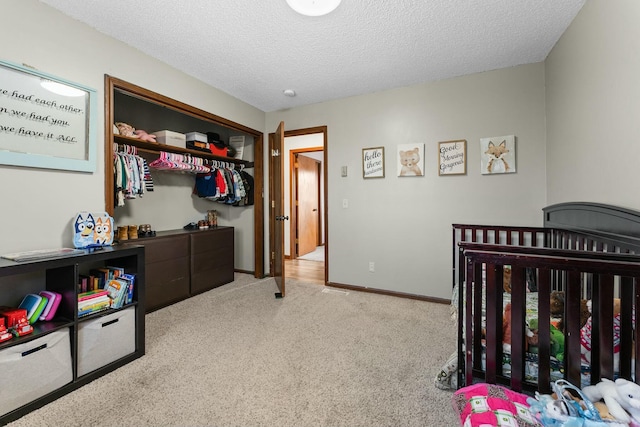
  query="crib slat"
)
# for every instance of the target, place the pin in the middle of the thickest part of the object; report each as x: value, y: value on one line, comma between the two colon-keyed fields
x: 602, y: 328
x: 636, y: 322
x: 477, y: 315
x: 470, y: 344
x: 626, y: 334
x: 572, y: 327
x: 544, y: 331
x: 494, y: 325
x: 518, y: 299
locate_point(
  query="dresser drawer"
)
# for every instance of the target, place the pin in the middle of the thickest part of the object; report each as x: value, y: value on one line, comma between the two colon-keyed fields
x: 165, y: 248
x: 166, y: 282
x: 212, y: 240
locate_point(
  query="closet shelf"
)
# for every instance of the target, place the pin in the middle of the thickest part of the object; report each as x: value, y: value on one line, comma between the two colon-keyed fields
x: 155, y: 148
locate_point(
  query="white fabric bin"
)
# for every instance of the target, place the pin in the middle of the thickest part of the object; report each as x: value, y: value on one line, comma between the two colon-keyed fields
x: 31, y: 370
x: 106, y: 339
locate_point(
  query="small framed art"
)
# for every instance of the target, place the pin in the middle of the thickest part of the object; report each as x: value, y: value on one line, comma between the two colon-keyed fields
x: 498, y: 155
x: 373, y: 162
x: 411, y: 160
x: 452, y: 157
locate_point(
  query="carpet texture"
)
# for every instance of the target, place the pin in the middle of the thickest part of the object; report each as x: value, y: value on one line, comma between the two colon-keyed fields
x: 237, y: 356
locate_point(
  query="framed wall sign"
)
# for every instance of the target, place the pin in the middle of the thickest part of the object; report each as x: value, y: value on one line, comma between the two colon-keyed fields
x: 373, y: 162
x: 452, y: 157
x: 45, y: 121
x: 498, y: 155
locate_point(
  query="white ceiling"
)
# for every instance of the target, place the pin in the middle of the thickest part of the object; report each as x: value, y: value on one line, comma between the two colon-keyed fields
x: 255, y: 49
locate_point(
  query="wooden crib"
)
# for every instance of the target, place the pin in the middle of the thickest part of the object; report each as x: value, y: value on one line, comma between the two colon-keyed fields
x: 586, y: 250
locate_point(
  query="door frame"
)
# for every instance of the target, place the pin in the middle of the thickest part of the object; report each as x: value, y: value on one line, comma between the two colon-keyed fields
x: 293, y: 224
x: 325, y: 219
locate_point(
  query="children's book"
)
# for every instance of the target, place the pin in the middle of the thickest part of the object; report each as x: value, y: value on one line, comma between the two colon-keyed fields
x: 94, y: 301
x: 92, y: 294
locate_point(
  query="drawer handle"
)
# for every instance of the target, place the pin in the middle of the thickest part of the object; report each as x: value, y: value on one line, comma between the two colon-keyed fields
x: 110, y: 322
x: 33, y: 350
x: 177, y: 279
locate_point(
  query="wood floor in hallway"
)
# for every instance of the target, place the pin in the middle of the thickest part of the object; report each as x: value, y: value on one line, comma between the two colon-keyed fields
x: 309, y: 271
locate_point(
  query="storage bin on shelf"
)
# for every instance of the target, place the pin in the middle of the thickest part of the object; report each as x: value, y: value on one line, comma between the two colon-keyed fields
x: 34, y: 369
x: 168, y: 137
x: 106, y: 339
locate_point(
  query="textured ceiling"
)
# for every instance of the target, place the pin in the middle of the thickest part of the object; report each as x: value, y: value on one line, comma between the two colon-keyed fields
x: 255, y: 49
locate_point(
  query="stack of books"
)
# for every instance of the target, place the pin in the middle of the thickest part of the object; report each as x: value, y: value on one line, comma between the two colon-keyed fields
x: 93, y: 301
x: 98, y: 278
x: 120, y: 290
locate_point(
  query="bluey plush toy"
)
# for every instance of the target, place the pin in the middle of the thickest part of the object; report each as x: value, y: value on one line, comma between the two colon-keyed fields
x: 92, y: 230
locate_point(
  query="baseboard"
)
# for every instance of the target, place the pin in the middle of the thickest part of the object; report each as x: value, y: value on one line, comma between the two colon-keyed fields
x: 237, y: 270
x: 390, y: 293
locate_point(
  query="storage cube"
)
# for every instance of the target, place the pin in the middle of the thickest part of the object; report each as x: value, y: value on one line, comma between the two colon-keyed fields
x: 34, y: 369
x: 168, y: 137
x: 106, y: 339
x: 197, y: 136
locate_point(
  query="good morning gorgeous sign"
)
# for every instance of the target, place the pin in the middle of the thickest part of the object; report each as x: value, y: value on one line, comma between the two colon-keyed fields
x: 452, y: 157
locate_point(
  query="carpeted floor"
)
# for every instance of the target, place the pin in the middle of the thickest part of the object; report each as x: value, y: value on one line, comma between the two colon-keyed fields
x: 236, y: 356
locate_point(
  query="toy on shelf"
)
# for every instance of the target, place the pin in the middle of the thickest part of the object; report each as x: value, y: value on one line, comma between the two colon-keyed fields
x: 16, y: 320
x: 93, y: 229
x: 4, y: 333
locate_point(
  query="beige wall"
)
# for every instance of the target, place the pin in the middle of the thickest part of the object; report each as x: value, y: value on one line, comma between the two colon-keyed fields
x: 593, y: 107
x: 38, y: 205
x: 403, y: 224
x: 575, y: 119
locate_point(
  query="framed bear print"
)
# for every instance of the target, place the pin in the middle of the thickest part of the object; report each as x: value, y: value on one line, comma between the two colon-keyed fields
x: 498, y: 155
x: 411, y: 160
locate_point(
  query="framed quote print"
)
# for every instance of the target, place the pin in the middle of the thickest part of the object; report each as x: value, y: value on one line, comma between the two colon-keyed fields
x: 45, y: 121
x: 452, y: 157
x: 373, y: 162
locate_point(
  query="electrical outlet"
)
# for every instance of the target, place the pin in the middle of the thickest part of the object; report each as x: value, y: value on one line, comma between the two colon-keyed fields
x: 372, y: 266
x: 345, y: 203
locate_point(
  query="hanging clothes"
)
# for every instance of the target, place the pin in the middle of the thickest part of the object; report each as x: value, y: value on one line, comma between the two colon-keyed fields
x: 129, y: 174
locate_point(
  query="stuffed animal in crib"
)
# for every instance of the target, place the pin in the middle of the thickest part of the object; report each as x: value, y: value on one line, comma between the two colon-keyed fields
x: 556, y: 338
x: 556, y: 305
x: 409, y: 160
x: 506, y: 278
x: 506, y: 329
x: 621, y: 396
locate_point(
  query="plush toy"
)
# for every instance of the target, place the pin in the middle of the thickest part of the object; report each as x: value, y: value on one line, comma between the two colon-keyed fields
x: 553, y: 412
x: 506, y: 278
x: 144, y: 136
x: 126, y: 129
x: 622, y: 398
x: 556, y: 305
x: 556, y: 338
x: 506, y: 329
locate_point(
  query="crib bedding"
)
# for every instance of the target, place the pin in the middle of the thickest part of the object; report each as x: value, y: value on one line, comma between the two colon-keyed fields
x: 556, y: 365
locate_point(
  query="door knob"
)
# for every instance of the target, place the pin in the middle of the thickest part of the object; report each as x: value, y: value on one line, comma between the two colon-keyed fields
x: 281, y: 217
